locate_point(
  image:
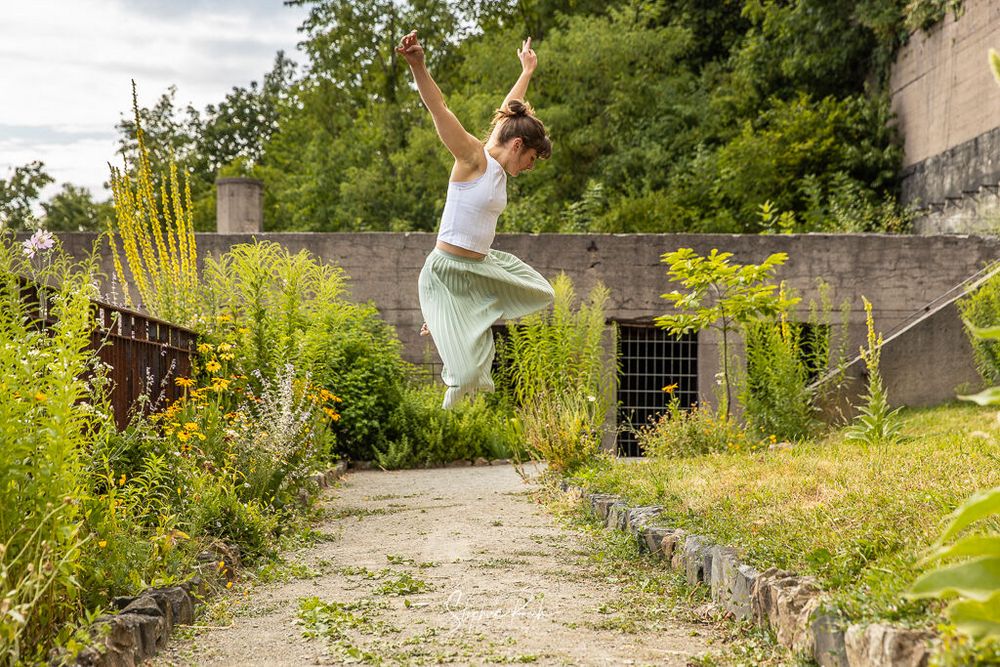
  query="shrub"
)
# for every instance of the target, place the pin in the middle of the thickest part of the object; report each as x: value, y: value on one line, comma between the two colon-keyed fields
x: 559, y: 376
x: 699, y: 430
x: 260, y: 299
x: 420, y: 432
x: 348, y: 348
x: 981, y: 308
x: 783, y: 359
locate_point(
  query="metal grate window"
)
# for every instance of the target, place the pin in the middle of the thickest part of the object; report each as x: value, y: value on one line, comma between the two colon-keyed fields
x: 650, y: 359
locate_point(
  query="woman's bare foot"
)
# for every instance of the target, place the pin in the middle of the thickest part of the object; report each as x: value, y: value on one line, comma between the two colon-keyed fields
x: 424, y: 331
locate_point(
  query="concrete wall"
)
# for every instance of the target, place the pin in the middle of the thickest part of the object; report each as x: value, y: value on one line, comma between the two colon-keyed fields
x: 941, y: 85
x: 900, y: 275
x: 948, y: 108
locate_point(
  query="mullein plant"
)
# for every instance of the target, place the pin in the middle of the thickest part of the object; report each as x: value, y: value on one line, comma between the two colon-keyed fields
x: 156, y: 233
x: 877, y: 424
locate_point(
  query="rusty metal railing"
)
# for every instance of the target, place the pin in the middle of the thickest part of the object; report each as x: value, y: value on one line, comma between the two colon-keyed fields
x: 144, y: 354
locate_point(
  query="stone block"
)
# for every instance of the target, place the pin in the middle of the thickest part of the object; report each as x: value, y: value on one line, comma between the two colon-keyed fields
x: 829, y: 649
x: 732, y: 582
x: 785, y: 603
x: 696, y: 553
x: 637, y: 517
x: 176, y: 604
x: 672, y: 546
x: 652, y: 540
x: 879, y: 644
x: 602, y: 503
x: 617, y: 512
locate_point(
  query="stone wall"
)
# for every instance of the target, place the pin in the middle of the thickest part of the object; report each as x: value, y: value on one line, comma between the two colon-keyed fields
x: 900, y: 275
x: 947, y: 105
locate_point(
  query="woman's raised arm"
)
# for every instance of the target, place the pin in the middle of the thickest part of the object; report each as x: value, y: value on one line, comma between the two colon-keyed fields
x: 529, y: 61
x: 465, y: 147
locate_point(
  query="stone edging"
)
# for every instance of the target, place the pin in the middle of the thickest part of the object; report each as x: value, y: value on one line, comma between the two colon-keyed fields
x: 789, y: 605
x: 143, y: 623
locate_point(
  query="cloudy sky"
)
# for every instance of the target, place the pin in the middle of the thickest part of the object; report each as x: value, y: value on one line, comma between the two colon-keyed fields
x: 66, y: 66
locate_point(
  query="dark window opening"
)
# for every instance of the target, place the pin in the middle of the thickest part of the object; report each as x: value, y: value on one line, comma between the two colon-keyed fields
x: 649, y: 360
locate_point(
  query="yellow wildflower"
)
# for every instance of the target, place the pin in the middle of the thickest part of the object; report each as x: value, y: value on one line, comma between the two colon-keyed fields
x: 102, y: 543
x: 227, y: 356
x: 670, y: 388
x: 224, y: 347
x: 213, y: 366
x: 121, y: 480
x: 183, y: 436
x: 204, y: 347
x: 191, y: 426
x: 184, y: 382
x: 39, y: 396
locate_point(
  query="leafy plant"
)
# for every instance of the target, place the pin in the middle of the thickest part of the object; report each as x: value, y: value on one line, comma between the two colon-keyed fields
x: 975, y: 580
x: 981, y: 308
x: 261, y: 298
x: 722, y: 295
x: 877, y: 424
x: 556, y: 368
x: 421, y: 433
x: 52, y: 401
x: 680, y: 433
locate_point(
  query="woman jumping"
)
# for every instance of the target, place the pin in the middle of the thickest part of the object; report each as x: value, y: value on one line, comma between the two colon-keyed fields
x: 465, y: 286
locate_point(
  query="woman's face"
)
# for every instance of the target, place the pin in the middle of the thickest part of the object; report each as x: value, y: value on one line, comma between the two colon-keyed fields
x: 522, y: 159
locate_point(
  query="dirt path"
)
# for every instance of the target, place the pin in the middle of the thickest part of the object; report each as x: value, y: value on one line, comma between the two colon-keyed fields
x: 505, y: 583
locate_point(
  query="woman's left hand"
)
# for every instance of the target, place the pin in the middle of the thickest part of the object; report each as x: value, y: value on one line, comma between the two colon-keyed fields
x: 529, y: 61
x: 411, y: 50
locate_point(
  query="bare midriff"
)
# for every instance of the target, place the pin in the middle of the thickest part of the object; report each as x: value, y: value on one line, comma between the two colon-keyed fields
x: 456, y: 250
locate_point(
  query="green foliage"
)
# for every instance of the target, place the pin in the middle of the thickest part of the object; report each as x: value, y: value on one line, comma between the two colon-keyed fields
x: 783, y: 358
x: 975, y: 579
x: 421, y: 433
x: 73, y: 209
x: 263, y: 298
x: 877, y: 424
x: 671, y: 115
x: 18, y: 193
x: 981, y: 308
x: 722, y: 295
x: 48, y: 411
x: 776, y: 398
x: 557, y: 370
x: 680, y: 433
x: 350, y: 349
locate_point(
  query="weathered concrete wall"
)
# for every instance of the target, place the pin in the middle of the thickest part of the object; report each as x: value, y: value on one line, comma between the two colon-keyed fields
x: 948, y: 109
x: 942, y: 90
x: 900, y: 275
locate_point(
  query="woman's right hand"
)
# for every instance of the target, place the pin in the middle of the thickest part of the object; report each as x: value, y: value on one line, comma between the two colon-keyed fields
x: 410, y: 49
x: 529, y: 61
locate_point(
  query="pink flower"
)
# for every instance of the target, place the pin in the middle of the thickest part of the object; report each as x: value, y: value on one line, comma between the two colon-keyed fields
x: 40, y: 240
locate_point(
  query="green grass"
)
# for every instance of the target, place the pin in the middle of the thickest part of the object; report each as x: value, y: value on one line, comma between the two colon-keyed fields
x: 856, y: 518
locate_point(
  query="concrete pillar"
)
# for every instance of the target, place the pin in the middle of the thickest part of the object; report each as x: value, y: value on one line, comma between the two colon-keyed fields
x: 239, y: 207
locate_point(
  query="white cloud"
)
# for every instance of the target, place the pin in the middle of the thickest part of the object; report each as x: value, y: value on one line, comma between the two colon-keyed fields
x: 66, y: 66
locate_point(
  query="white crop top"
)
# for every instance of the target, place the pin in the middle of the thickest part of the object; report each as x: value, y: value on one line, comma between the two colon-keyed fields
x: 471, y: 210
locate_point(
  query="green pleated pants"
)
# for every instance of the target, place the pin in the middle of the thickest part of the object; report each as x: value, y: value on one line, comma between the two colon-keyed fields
x: 461, y: 299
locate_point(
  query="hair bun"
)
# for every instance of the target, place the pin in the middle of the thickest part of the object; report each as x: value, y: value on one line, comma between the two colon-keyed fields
x: 517, y: 108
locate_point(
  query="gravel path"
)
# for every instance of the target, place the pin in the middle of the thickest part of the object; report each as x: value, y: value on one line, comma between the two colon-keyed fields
x: 506, y: 583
